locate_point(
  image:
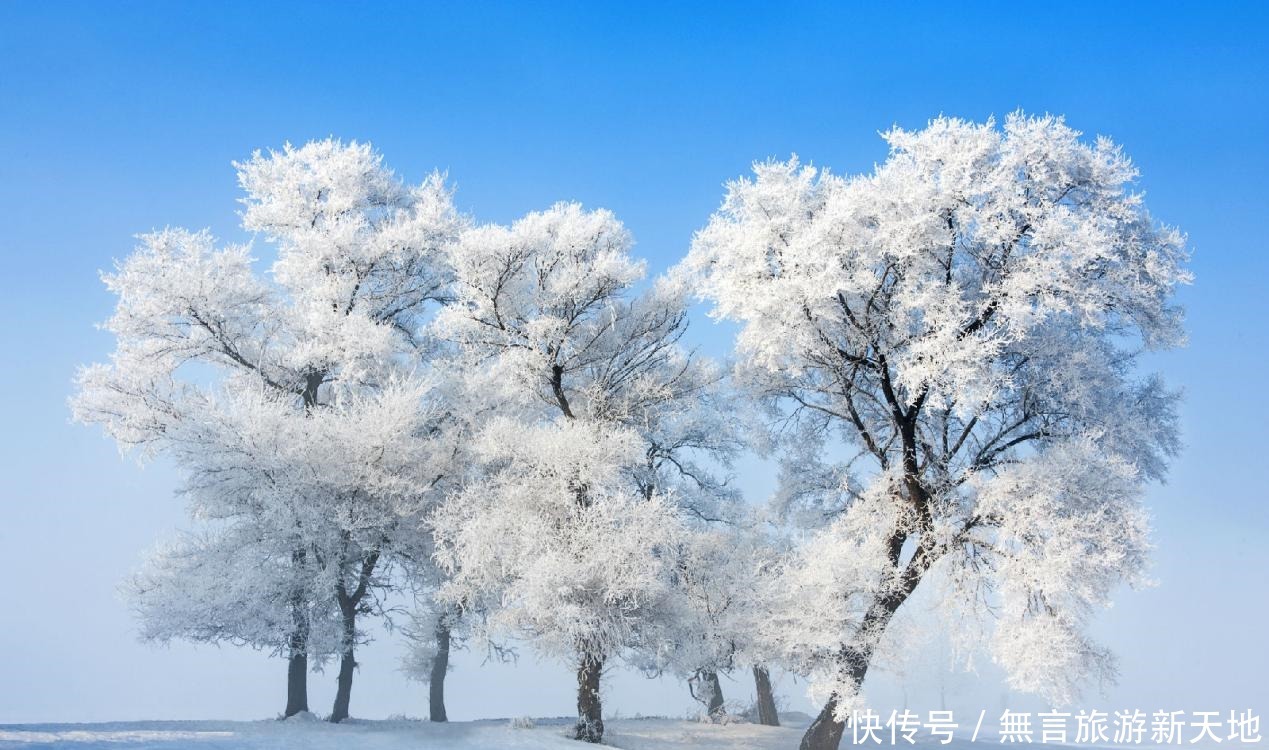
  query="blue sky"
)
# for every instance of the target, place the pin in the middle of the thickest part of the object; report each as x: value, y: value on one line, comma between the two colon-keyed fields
x: 116, y: 118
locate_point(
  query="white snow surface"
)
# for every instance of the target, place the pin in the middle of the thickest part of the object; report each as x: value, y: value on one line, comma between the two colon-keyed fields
x: 308, y: 732
x: 546, y: 734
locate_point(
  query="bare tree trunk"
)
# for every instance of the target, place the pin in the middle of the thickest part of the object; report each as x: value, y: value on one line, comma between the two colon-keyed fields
x: 714, y: 706
x: 440, y: 665
x: 825, y: 733
x: 590, y: 713
x: 343, y: 686
x: 707, y: 690
x: 296, y: 679
x: 853, y: 660
x: 297, y: 665
x: 347, y: 663
x: 767, y: 714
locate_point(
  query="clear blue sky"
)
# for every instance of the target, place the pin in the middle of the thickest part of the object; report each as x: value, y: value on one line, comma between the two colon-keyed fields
x: 116, y: 118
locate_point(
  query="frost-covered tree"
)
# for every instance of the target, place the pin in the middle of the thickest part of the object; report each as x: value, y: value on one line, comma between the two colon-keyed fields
x: 969, y: 318
x: 299, y: 406
x: 725, y: 595
x: 715, y: 579
x: 343, y: 484
x: 561, y: 548
x: 592, y: 465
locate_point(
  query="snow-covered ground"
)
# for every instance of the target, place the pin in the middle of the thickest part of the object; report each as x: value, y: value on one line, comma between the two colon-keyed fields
x: 633, y: 734
x: 310, y: 733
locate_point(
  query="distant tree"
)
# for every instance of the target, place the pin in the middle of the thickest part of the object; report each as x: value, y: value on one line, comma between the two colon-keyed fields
x: 715, y: 583
x: 568, y: 534
x: 433, y: 631
x: 765, y: 705
x: 300, y: 408
x: 968, y: 317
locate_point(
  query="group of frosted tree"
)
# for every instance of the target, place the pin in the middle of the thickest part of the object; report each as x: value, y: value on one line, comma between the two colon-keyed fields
x: 496, y: 434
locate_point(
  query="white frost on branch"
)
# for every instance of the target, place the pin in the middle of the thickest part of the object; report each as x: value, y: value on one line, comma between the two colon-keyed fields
x: 966, y: 323
x: 300, y: 407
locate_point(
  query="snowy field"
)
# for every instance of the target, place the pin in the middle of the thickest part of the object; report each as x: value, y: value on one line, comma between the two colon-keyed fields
x: 310, y: 733
x: 549, y: 734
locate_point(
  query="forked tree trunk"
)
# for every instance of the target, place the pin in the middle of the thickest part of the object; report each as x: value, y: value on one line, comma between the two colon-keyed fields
x: 440, y: 665
x: 590, y: 713
x: 348, y: 605
x: 347, y: 663
x: 766, y: 698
